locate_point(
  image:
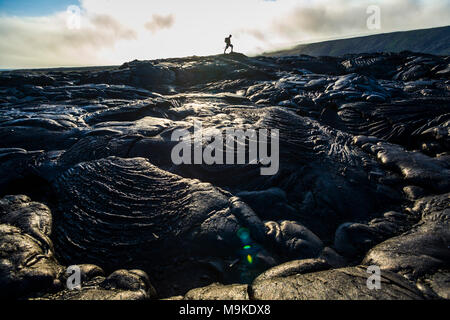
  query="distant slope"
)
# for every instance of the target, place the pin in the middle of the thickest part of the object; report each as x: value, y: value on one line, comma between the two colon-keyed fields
x: 434, y: 41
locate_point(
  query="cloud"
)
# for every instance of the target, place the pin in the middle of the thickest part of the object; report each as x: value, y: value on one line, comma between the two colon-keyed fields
x: 115, y: 31
x: 105, y: 22
x: 319, y: 20
x: 47, y: 41
x: 316, y: 19
x: 159, y: 22
x: 257, y: 34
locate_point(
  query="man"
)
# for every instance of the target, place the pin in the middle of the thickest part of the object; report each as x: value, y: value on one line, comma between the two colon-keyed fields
x: 229, y: 45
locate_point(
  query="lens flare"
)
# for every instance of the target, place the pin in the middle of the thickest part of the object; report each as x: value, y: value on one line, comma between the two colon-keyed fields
x: 249, y: 259
x: 244, y: 235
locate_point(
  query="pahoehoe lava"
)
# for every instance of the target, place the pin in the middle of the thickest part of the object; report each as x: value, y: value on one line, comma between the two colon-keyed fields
x: 86, y: 178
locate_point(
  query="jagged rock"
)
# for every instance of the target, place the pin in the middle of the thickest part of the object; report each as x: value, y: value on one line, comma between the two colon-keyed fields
x: 359, y: 135
x: 294, y: 240
x: 32, y: 218
x: 380, y: 65
x: 415, y: 167
x: 12, y: 79
x: 437, y: 284
x: 387, y: 121
x: 294, y: 267
x: 16, y: 166
x: 421, y: 250
x: 90, y: 271
x: 93, y: 294
x: 120, y: 285
x: 25, y: 267
x: 332, y: 258
x: 268, y: 204
x: 427, y: 206
x: 145, y: 227
x: 416, y: 67
x: 338, y: 284
x: 353, y: 239
x: 413, y: 192
x: 27, y: 262
x: 133, y: 280
x: 219, y: 292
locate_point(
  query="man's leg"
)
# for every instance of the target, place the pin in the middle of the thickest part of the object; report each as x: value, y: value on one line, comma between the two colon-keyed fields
x: 231, y: 48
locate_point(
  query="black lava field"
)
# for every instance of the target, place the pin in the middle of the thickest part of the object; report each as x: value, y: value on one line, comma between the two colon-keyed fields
x: 87, y: 179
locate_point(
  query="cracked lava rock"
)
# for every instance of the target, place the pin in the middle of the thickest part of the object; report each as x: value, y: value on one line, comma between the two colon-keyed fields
x: 86, y: 179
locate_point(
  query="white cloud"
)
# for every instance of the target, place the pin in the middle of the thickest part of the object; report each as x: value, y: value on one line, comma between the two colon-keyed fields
x: 159, y: 22
x: 318, y: 19
x: 47, y: 41
x: 114, y: 31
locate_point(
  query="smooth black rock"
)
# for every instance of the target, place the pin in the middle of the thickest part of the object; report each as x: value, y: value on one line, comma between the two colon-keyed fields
x: 338, y: 284
x: 422, y: 249
x: 28, y: 263
x: 363, y: 172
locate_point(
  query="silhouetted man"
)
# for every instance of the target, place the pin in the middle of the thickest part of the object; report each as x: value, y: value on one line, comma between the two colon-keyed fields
x: 229, y: 45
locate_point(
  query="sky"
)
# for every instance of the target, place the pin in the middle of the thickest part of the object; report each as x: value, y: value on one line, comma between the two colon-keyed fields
x: 44, y: 33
